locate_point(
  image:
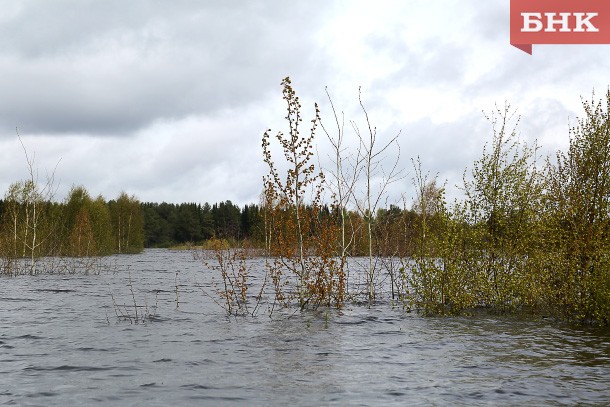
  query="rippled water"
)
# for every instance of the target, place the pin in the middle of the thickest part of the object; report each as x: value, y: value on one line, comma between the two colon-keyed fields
x: 62, y: 344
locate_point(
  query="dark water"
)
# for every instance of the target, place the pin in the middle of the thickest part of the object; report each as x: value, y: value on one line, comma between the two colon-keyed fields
x: 62, y: 344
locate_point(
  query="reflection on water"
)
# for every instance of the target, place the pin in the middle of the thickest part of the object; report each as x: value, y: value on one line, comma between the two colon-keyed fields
x: 61, y: 344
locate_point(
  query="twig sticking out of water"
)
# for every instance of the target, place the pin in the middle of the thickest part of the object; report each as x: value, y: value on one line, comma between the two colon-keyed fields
x: 130, y: 313
x: 176, y: 284
x: 234, y: 272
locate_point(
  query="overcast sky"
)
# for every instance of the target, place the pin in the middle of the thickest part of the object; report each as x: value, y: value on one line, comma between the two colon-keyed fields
x: 168, y: 100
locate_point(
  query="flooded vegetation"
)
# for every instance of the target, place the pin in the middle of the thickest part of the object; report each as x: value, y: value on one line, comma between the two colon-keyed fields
x: 320, y: 294
x: 531, y: 234
x: 63, y: 344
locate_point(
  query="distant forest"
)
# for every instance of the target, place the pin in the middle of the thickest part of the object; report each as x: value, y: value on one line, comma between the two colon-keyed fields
x: 167, y: 225
x: 34, y: 227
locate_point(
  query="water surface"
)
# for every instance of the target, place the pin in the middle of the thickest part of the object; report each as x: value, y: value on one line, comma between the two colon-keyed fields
x: 61, y: 343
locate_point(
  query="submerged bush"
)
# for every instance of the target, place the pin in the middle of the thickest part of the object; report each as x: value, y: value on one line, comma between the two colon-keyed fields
x: 577, y: 273
x: 523, y: 239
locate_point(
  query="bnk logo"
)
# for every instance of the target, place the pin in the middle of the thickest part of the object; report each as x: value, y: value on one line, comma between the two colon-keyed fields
x: 532, y: 22
x: 559, y: 22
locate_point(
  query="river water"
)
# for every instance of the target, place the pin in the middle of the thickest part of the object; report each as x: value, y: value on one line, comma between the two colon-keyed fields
x: 62, y: 343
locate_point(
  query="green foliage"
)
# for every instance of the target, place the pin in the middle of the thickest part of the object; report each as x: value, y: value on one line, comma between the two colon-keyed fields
x: 167, y: 225
x: 99, y: 215
x: 27, y: 227
x: 127, y: 224
x: 437, y: 276
x: 502, y: 206
x: 32, y: 227
x: 87, y: 230
x: 522, y: 240
x: 578, y: 220
x: 480, y: 254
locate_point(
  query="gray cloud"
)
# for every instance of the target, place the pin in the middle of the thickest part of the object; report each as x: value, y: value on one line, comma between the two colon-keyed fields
x: 111, y: 68
x: 168, y: 100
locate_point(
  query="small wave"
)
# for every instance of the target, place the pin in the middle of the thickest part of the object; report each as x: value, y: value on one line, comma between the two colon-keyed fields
x: 28, y: 336
x: 197, y: 387
x: 386, y: 333
x: 201, y: 362
x: 43, y: 394
x: 17, y: 299
x: 353, y: 322
x: 68, y: 368
x: 216, y: 398
x: 54, y: 290
x: 91, y: 349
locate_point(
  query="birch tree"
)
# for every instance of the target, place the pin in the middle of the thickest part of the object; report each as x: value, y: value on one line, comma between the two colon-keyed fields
x: 379, y: 171
x: 343, y: 179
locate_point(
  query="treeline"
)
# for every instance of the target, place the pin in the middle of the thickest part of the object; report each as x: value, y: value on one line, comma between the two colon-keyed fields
x: 167, y: 225
x: 33, y: 226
